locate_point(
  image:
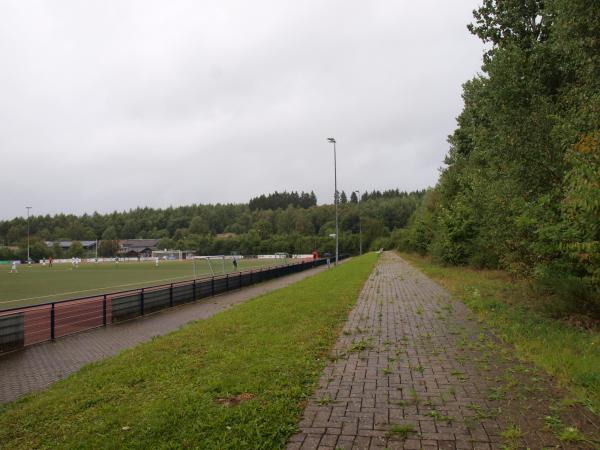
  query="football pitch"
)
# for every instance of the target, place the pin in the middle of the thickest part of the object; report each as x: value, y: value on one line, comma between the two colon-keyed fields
x: 42, y: 284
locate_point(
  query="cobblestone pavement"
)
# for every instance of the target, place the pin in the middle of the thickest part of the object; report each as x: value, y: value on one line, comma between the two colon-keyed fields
x: 38, y: 366
x: 413, y: 370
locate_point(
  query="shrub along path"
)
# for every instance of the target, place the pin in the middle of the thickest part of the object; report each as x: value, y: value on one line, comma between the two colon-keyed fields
x: 36, y: 367
x: 412, y: 369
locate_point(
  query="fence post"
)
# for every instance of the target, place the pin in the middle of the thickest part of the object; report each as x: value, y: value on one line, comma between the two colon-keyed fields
x: 240, y: 280
x: 194, y: 290
x: 171, y: 295
x: 104, y: 311
x: 142, y: 301
x: 226, y: 281
x: 52, y: 322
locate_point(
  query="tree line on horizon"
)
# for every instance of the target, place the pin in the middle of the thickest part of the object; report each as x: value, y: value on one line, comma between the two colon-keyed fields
x: 278, y: 200
x: 220, y: 228
x: 521, y: 186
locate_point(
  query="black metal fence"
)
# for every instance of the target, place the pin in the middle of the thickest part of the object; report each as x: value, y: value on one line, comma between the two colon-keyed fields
x: 20, y: 327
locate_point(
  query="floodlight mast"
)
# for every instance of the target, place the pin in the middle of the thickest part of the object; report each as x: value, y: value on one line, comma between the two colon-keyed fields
x: 335, y: 199
x: 357, y: 192
x: 28, y: 208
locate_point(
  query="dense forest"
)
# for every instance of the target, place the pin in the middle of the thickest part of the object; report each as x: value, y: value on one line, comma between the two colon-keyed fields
x: 521, y: 186
x: 222, y: 228
x: 278, y: 200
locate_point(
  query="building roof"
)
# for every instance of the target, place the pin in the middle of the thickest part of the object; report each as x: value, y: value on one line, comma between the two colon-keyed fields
x: 67, y: 244
x: 143, y: 243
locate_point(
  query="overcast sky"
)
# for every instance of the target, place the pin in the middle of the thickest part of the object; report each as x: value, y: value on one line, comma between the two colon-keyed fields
x: 113, y: 105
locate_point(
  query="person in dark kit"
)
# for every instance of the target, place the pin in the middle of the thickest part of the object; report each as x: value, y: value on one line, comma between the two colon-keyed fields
x: 234, y: 264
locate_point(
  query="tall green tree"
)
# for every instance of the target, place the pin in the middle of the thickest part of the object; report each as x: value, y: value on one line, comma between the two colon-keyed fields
x: 521, y: 184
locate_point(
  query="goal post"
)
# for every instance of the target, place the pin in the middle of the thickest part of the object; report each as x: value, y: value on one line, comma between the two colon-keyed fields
x: 207, y: 259
x: 171, y: 255
x: 281, y: 255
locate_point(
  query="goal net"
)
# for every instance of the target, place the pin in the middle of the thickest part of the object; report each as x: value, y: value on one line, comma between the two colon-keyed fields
x: 170, y: 255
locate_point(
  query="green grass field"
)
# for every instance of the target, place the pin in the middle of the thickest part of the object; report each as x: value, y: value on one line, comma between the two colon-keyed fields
x: 237, y: 380
x: 41, y: 284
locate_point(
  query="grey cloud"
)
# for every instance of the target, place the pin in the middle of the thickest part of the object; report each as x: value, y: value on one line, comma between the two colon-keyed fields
x: 113, y: 105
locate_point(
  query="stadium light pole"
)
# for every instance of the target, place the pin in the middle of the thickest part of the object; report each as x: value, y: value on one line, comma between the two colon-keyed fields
x: 357, y: 192
x: 335, y: 200
x: 28, y: 208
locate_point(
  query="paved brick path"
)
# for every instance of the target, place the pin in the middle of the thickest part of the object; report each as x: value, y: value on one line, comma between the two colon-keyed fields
x: 38, y: 366
x: 412, y: 371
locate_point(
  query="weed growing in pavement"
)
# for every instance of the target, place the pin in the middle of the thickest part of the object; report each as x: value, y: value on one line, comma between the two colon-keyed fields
x: 571, y: 434
x: 401, y: 431
x: 325, y: 400
x: 360, y: 345
x: 439, y: 417
x: 512, y: 434
x: 566, y: 433
x: 480, y: 413
x: 414, y: 396
x: 553, y: 423
x: 496, y: 393
x: 419, y: 369
x: 459, y: 375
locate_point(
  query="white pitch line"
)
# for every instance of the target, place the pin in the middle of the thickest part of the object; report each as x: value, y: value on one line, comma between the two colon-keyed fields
x: 89, y: 290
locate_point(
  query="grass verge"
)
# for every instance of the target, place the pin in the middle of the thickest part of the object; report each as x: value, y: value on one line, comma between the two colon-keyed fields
x: 236, y: 380
x: 569, y: 353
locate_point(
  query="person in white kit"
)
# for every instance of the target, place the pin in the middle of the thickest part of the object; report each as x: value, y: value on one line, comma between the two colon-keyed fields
x: 156, y: 261
x: 13, y: 267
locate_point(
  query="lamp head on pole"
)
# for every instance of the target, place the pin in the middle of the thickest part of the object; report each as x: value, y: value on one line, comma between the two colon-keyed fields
x: 331, y: 140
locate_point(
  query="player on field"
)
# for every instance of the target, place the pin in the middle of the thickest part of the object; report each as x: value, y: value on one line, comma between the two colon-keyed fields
x: 13, y: 267
x: 156, y: 260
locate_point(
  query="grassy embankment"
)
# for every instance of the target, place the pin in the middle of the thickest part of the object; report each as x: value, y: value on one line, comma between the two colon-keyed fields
x: 516, y: 312
x: 236, y: 380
